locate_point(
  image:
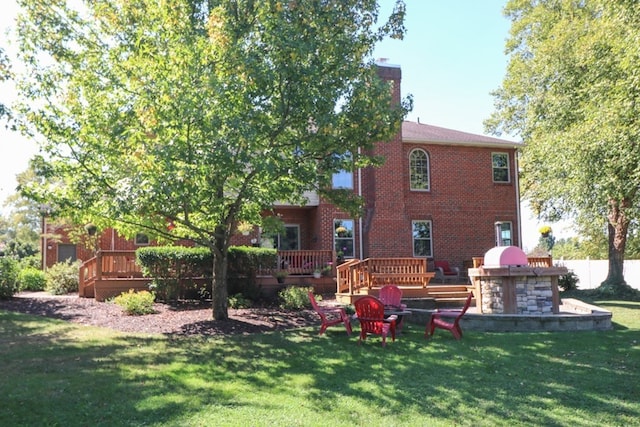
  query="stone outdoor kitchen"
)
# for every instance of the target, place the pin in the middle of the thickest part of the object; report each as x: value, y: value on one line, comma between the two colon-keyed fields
x: 506, y: 284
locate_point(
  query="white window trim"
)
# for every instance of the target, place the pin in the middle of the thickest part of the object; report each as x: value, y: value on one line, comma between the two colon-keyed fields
x: 510, y: 232
x: 428, y: 171
x: 413, y: 246
x: 508, y: 168
x: 352, y: 238
x: 342, y: 173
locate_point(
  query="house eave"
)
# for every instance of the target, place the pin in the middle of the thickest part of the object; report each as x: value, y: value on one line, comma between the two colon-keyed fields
x: 483, y: 144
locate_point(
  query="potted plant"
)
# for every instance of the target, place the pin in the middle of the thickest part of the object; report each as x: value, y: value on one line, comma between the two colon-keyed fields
x: 326, y: 270
x: 245, y: 228
x: 280, y: 275
x: 317, y: 273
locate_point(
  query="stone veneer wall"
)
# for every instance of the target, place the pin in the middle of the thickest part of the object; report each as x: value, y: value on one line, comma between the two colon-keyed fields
x: 533, y: 294
x: 492, y: 295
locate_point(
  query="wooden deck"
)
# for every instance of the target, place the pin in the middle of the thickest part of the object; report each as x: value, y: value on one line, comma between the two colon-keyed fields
x: 441, y: 294
x: 357, y: 278
x: 110, y: 273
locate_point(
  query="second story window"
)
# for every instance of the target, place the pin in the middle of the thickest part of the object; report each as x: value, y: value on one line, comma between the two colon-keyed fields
x: 500, y: 164
x: 342, y: 180
x: 419, y: 170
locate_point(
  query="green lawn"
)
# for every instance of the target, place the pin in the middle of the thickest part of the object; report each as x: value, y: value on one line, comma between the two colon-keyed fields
x: 61, y: 374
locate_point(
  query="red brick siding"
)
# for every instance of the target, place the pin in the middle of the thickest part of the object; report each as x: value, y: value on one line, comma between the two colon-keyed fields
x: 463, y: 204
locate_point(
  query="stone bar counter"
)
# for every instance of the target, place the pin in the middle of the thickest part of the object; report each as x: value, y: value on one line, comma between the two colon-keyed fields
x: 516, y: 289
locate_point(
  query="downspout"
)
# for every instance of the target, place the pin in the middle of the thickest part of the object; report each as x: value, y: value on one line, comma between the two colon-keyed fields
x: 518, y: 211
x: 360, y: 244
x: 44, y: 243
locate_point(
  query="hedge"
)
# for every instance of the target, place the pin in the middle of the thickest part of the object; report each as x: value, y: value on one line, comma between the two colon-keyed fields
x: 174, y: 268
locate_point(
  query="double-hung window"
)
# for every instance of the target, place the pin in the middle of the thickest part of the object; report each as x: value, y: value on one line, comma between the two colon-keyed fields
x: 504, y: 234
x: 343, y: 238
x: 422, y: 239
x: 500, y: 165
x: 343, y: 179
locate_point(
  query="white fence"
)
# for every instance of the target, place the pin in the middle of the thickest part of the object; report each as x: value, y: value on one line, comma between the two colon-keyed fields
x: 593, y: 272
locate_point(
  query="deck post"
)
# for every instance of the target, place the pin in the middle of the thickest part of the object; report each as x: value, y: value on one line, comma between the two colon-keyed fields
x: 98, y: 265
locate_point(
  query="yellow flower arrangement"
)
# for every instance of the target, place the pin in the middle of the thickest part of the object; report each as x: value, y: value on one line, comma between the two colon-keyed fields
x: 545, y: 229
x: 341, y: 230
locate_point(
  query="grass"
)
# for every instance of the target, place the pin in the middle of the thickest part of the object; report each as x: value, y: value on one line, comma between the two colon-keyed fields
x: 58, y: 373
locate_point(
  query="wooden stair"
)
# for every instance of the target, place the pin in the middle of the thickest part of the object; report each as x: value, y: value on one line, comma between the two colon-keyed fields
x: 445, y: 295
x: 449, y: 295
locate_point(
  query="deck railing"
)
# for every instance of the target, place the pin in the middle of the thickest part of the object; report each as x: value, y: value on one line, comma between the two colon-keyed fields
x: 532, y: 261
x: 354, y: 275
x: 303, y: 262
x: 87, y: 276
x: 122, y: 264
x: 112, y: 265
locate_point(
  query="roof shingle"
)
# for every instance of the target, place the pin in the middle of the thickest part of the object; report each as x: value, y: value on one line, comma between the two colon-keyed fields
x: 419, y: 132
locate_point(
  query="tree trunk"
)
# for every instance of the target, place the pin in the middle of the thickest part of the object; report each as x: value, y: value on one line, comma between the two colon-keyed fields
x: 617, y: 227
x: 219, y: 292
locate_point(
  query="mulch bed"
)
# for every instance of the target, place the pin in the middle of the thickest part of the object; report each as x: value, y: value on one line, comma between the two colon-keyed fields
x: 180, y: 318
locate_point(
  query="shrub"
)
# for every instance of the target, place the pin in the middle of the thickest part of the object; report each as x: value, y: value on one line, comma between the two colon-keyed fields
x: 172, y: 269
x: 294, y: 297
x: 244, y: 264
x: 62, y: 278
x: 8, y: 277
x: 568, y: 282
x: 32, y: 279
x: 34, y: 261
x: 136, y: 303
x: 239, y: 301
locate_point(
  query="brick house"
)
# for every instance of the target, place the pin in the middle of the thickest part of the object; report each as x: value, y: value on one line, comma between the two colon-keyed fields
x: 438, y: 195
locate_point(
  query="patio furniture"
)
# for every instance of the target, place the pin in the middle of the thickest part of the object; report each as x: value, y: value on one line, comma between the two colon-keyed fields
x: 445, y: 272
x: 391, y: 297
x: 370, y: 314
x: 453, y: 327
x: 330, y: 315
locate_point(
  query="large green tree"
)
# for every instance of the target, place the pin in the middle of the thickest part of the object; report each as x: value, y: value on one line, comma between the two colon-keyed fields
x: 572, y: 92
x: 20, y: 226
x: 201, y: 113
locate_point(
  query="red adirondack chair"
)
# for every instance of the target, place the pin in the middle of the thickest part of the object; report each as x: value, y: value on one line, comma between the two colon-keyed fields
x: 370, y: 314
x: 330, y: 315
x: 391, y: 297
x: 453, y: 327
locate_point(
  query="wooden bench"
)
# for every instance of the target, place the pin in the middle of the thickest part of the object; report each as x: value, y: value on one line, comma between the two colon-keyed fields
x: 381, y: 279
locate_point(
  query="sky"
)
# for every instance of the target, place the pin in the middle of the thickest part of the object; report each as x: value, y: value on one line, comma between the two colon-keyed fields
x: 452, y: 58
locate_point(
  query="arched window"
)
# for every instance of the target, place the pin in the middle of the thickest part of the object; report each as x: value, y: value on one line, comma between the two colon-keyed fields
x: 419, y: 170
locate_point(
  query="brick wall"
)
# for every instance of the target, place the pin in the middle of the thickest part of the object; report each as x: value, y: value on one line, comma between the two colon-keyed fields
x: 463, y: 203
